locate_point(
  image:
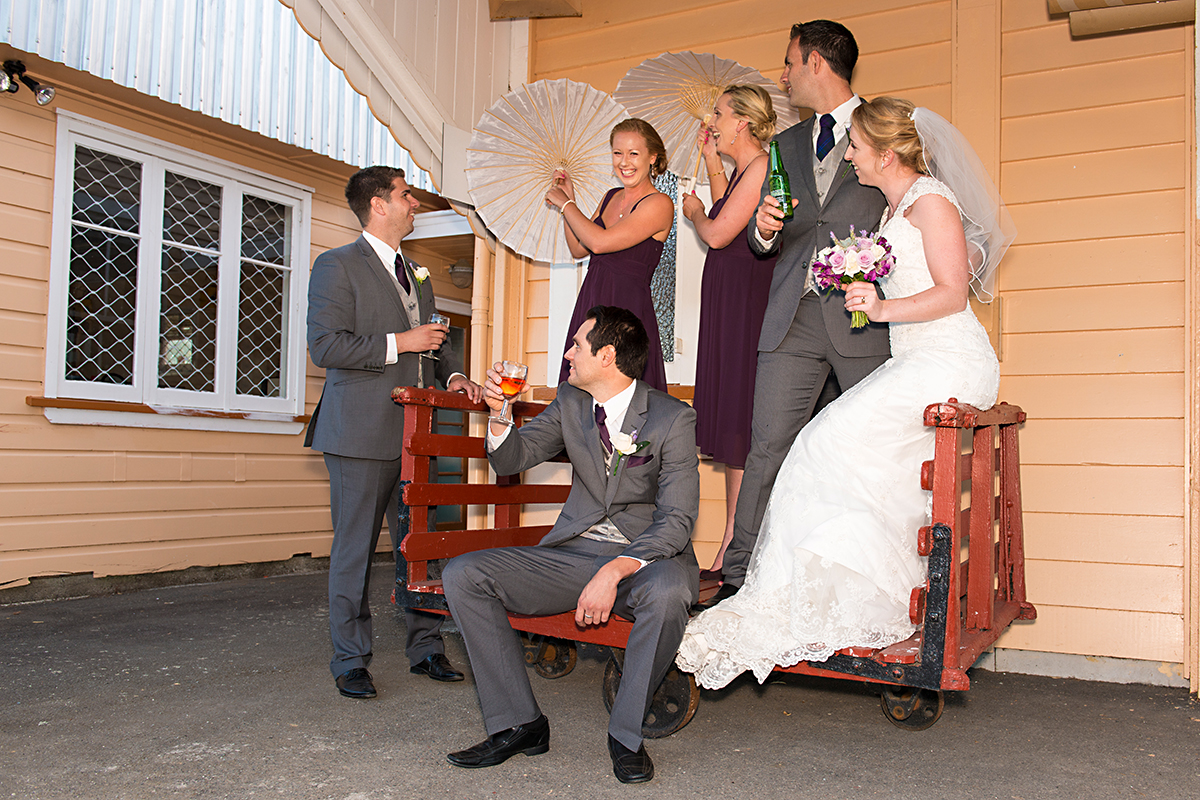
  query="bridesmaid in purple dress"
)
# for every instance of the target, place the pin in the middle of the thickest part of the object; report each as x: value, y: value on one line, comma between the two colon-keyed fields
x: 625, y: 240
x: 733, y: 292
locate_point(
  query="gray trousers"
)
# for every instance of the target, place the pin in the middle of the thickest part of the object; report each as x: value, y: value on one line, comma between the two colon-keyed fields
x: 361, y: 492
x: 482, y: 587
x: 786, y: 390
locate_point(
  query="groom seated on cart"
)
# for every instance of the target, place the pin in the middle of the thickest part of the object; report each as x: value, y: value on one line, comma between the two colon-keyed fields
x: 621, y: 545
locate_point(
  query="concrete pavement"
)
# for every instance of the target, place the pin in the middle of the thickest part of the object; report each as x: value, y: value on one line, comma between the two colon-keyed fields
x: 221, y: 690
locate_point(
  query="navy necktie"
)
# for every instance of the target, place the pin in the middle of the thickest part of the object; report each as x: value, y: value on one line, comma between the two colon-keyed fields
x: 825, y: 137
x: 402, y: 274
x: 601, y: 417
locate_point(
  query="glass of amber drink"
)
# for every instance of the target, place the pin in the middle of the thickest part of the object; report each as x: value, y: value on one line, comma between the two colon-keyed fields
x: 512, y: 383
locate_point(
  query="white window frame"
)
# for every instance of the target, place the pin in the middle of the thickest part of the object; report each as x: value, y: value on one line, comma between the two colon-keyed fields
x: 243, y: 413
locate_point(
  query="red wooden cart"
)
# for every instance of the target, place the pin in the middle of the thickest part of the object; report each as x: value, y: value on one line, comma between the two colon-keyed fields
x: 975, y: 586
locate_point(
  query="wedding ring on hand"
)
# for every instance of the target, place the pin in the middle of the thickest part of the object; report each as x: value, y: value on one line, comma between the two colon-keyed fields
x: 862, y: 301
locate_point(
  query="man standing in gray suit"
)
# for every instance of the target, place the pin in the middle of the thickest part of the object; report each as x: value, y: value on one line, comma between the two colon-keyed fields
x: 804, y: 335
x: 365, y: 306
x: 622, y: 544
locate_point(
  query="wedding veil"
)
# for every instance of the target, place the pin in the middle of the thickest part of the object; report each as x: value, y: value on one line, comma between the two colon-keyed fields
x: 950, y: 158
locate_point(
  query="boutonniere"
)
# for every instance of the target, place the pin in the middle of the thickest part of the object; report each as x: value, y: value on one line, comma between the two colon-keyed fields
x: 846, y: 170
x: 421, y: 274
x: 624, y: 445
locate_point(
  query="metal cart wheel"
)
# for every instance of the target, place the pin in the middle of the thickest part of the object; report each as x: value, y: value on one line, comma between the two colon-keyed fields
x: 551, y: 658
x: 674, y: 704
x: 911, y: 709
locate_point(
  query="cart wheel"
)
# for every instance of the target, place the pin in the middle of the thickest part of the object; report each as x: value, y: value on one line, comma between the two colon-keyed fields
x: 911, y: 709
x: 551, y: 658
x: 674, y: 704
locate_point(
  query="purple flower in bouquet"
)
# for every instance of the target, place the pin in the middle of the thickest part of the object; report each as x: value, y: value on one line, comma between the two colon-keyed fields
x: 861, y: 256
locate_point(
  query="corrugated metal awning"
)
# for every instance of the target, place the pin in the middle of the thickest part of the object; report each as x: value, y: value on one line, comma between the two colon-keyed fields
x: 247, y: 62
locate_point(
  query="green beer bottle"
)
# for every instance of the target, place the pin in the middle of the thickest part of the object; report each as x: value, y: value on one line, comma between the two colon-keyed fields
x: 780, y: 187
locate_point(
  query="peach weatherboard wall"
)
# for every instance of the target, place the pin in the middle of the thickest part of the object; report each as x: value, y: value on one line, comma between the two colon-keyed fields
x: 1093, y: 144
x: 120, y: 500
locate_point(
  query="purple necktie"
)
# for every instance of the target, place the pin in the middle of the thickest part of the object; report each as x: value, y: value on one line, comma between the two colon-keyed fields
x: 402, y: 274
x: 601, y: 416
x: 825, y: 137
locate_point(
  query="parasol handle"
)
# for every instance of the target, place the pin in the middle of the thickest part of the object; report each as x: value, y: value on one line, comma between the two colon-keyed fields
x: 700, y: 153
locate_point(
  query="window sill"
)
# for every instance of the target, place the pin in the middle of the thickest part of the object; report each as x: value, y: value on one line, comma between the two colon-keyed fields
x: 70, y: 411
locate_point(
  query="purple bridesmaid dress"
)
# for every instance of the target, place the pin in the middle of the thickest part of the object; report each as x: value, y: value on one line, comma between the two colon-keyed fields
x: 733, y: 300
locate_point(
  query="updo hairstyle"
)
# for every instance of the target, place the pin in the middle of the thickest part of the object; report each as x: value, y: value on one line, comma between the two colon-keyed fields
x: 654, y: 142
x: 753, y: 103
x: 886, y: 123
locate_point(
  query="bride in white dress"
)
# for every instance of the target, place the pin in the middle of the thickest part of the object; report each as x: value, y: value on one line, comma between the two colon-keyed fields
x: 836, y: 557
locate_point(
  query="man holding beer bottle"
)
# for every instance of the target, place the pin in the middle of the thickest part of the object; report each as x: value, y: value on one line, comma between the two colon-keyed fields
x: 805, y: 335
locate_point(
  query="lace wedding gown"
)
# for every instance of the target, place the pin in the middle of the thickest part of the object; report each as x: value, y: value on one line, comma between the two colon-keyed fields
x: 836, y: 557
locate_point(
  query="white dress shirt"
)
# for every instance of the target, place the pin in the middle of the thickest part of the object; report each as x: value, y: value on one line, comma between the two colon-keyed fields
x: 388, y: 256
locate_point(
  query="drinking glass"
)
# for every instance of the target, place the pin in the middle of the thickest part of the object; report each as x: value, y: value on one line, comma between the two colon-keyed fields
x: 512, y: 383
x: 437, y: 318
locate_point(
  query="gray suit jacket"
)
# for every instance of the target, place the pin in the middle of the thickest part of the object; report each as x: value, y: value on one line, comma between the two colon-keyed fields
x: 847, y: 203
x: 352, y: 306
x: 654, y: 503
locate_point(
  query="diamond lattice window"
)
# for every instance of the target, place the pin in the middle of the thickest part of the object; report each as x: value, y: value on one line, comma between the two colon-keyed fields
x: 262, y: 297
x: 103, y: 270
x: 178, y: 282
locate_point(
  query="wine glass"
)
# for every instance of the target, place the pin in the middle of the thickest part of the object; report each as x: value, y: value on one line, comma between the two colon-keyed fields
x: 512, y: 383
x: 437, y: 318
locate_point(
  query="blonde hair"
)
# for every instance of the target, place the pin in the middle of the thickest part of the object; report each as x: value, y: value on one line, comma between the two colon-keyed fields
x: 887, y: 124
x: 654, y: 142
x: 753, y: 103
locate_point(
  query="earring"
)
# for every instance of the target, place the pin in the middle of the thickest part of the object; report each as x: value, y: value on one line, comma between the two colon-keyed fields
x: 735, y: 135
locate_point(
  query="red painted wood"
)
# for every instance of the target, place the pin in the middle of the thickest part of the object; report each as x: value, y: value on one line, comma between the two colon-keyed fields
x: 981, y: 536
x: 925, y: 540
x: 510, y: 514
x: 456, y: 401
x: 417, y: 420
x: 906, y: 652
x: 447, y: 544
x: 435, y: 444
x: 916, y: 604
x: 614, y: 633
x: 457, y: 494
x: 947, y: 508
x: 954, y: 414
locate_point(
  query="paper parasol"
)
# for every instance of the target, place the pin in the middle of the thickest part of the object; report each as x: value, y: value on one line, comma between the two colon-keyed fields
x: 517, y: 146
x: 675, y: 91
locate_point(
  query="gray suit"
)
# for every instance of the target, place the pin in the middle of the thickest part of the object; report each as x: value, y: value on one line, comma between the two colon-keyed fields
x: 803, y: 336
x: 353, y: 303
x: 654, y: 504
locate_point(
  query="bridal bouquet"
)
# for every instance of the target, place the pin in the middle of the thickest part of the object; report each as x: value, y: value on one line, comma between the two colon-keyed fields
x: 861, y: 256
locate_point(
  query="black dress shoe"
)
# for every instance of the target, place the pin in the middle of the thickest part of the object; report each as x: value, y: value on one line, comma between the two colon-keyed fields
x: 356, y: 683
x: 726, y: 591
x: 628, y: 766
x: 532, y: 739
x: 436, y: 666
